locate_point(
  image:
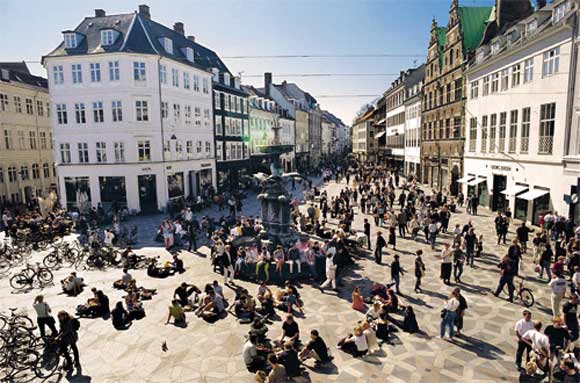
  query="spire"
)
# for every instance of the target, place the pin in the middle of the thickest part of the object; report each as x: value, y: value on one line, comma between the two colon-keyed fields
x: 454, y: 4
x: 433, y: 24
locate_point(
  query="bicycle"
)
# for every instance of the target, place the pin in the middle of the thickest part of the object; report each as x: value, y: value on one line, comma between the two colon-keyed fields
x: 25, y: 278
x: 15, y: 319
x: 522, y: 293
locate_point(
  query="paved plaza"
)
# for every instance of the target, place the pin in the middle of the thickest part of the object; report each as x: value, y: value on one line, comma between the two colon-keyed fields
x: 204, y: 352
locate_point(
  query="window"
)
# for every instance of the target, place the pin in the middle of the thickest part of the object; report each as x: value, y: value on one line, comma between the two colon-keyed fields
x: 216, y: 101
x: 494, y: 82
x: 95, y: 72
x: 101, y: 152
x: 528, y: 70
x: 502, y: 131
x: 43, y: 144
x: 218, y: 125
x: 21, y: 140
x: 219, y: 151
x: 12, y: 174
x: 189, y: 148
x: 47, y: 109
x: 208, y: 148
x: 513, y: 131
x: 175, y: 77
x: 551, y: 63
x: 516, y: 69
x: 98, y: 111
x: 486, y: 86
x: 119, y: 151
x: 198, y: 147
x: 107, y: 37
x: 561, y: 10
x: 83, y: 152
x: 227, y: 102
x: 205, y: 86
x: 472, y: 133
x: 3, y: 102
x: 505, y: 79
x: 492, y: 132
x: 57, y: 75
x: 29, y: 106
x: 531, y: 27
x: 8, y: 139
x: 65, y: 153
x: 70, y: 40
x: 448, y: 93
x: 458, y: 89
x: 474, y: 89
x: 189, y: 54
x: 61, y: 115
x: 547, y: 125
x: 17, y: 104
x: 45, y: 170
x: 187, y: 114
x: 164, y: 109
x: 32, y: 140
x: 186, y: 84
x: 484, y: 134
x: 144, y: 150
x: 77, y: 73
x: 176, y: 112
x: 40, y: 108
x: 117, y: 111
x: 24, y: 173
x: 80, y: 116
x: 196, y: 83
x: 167, y: 45
x: 139, y: 73
x: 141, y: 110
x: 114, y: 71
x: 163, y: 74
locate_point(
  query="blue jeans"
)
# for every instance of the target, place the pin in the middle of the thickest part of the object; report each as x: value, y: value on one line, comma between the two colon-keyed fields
x: 545, y: 266
x: 469, y: 256
x: 432, y: 238
x: 449, y: 321
x: 397, y: 280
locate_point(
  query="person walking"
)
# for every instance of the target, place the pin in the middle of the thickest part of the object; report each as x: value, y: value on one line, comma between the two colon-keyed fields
x: 507, y: 271
x: 43, y: 317
x: 460, y: 310
x: 469, y: 242
x: 68, y: 337
x: 396, y: 272
x: 330, y: 270
x: 446, y: 263
x: 558, y: 286
x: 458, y: 261
x: 380, y: 243
x: 419, y: 270
x: 522, y: 234
x: 448, y: 315
x: 522, y: 326
x: 433, y: 229
x: 367, y: 231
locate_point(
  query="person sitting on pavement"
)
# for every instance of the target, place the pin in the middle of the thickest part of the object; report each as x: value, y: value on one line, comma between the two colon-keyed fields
x: 72, y: 285
x: 289, y: 359
x: 290, y: 331
x: 315, y: 348
x: 183, y: 292
x: 254, y: 354
x: 355, y: 345
x: 120, y: 316
x: 177, y: 264
x: 277, y: 372
x: 213, y: 308
x: 176, y: 312
x: 128, y: 258
x: 124, y: 282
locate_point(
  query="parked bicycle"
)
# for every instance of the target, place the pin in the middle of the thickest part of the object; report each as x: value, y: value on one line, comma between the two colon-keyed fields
x: 26, y: 277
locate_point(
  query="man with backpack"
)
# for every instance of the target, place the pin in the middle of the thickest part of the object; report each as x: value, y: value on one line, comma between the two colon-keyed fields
x: 68, y: 337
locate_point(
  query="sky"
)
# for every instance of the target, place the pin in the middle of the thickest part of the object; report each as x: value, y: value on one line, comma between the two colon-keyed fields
x: 401, y: 28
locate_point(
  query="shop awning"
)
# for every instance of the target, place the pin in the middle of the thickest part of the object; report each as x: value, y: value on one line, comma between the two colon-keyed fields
x: 533, y: 194
x: 476, y: 181
x: 379, y: 135
x: 513, y: 190
x: 465, y: 179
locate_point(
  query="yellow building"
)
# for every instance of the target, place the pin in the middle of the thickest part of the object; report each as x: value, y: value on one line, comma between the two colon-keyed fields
x: 26, y: 160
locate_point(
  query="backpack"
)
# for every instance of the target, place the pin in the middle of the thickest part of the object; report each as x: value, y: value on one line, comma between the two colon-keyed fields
x: 76, y: 324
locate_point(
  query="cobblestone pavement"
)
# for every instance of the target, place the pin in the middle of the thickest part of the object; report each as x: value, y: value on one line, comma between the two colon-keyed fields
x: 204, y: 352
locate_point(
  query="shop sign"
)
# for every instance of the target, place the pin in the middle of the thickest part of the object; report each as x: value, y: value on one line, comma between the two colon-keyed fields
x: 205, y: 165
x: 501, y: 168
x: 145, y: 169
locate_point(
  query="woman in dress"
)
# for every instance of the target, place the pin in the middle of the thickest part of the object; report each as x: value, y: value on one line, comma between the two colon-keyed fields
x: 357, y: 301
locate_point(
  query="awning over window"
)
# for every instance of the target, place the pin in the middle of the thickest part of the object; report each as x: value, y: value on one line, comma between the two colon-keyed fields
x: 476, y: 181
x: 533, y: 194
x: 465, y: 179
x: 513, y: 190
x: 379, y: 135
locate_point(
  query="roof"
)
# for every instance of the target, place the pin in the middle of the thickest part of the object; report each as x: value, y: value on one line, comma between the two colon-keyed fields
x: 473, y: 23
x: 25, y: 77
x: 137, y: 34
x: 441, y: 40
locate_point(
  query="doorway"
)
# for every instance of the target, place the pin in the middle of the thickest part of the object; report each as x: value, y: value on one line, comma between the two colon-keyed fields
x: 147, y: 193
x: 454, y: 187
x: 498, y: 202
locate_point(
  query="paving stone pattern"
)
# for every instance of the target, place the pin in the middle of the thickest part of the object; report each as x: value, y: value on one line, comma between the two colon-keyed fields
x: 204, y: 352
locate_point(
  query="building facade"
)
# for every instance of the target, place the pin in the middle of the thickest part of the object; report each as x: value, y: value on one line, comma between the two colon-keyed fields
x: 516, y: 116
x: 442, y: 135
x: 412, y: 103
x: 132, y: 113
x: 364, y: 142
x: 26, y: 161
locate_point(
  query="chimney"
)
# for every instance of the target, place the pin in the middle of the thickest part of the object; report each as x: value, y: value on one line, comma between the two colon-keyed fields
x: 144, y: 11
x: 267, y: 83
x: 191, y: 38
x: 540, y: 4
x: 178, y: 27
x: 100, y: 13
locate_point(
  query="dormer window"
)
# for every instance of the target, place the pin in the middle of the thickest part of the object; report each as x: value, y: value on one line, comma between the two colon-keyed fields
x: 227, y: 78
x: 70, y: 40
x: 531, y: 27
x: 189, y: 54
x: 167, y: 44
x: 560, y: 11
x: 108, y: 37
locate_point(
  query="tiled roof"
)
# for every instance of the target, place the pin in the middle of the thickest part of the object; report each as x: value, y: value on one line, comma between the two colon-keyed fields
x: 138, y: 34
x: 21, y: 77
x: 19, y: 66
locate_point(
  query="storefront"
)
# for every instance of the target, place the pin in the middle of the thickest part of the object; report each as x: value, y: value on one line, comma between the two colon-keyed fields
x: 113, y: 193
x: 478, y: 187
x: 175, y: 185
x: 520, y: 209
x: 538, y: 201
x: 78, y: 193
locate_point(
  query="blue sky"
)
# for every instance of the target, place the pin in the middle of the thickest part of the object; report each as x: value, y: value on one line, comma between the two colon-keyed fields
x: 261, y: 27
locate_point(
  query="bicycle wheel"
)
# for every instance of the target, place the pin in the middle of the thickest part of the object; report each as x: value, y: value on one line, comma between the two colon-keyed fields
x: 16, y: 257
x: 4, y: 265
x: 24, y: 321
x: 19, y: 282
x: 47, y: 363
x: 51, y: 260
x: 71, y: 256
x: 44, y: 276
x: 527, y: 297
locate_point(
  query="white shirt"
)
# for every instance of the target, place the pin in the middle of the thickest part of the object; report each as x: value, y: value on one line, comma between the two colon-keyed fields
x: 109, y: 236
x: 451, y: 305
x: 558, y: 286
x: 446, y: 256
x: 188, y: 216
x: 330, y: 263
x: 42, y: 309
x: 522, y: 326
x: 361, y: 343
x: 249, y: 352
x: 538, y: 339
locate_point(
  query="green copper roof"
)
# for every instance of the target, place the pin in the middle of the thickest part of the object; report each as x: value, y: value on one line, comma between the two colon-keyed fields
x: 473, y: 22
x: 441, y: 39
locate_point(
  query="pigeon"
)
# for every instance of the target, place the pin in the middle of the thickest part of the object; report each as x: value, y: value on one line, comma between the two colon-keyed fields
x: 164, y: 346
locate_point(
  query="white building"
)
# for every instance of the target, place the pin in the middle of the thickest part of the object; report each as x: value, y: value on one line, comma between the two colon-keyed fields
x: 516, y: 116
x: 413, y: 134
x: 132, y: 113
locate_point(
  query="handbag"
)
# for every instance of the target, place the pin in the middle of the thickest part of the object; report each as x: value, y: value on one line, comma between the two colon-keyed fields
x: 443, y: 313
